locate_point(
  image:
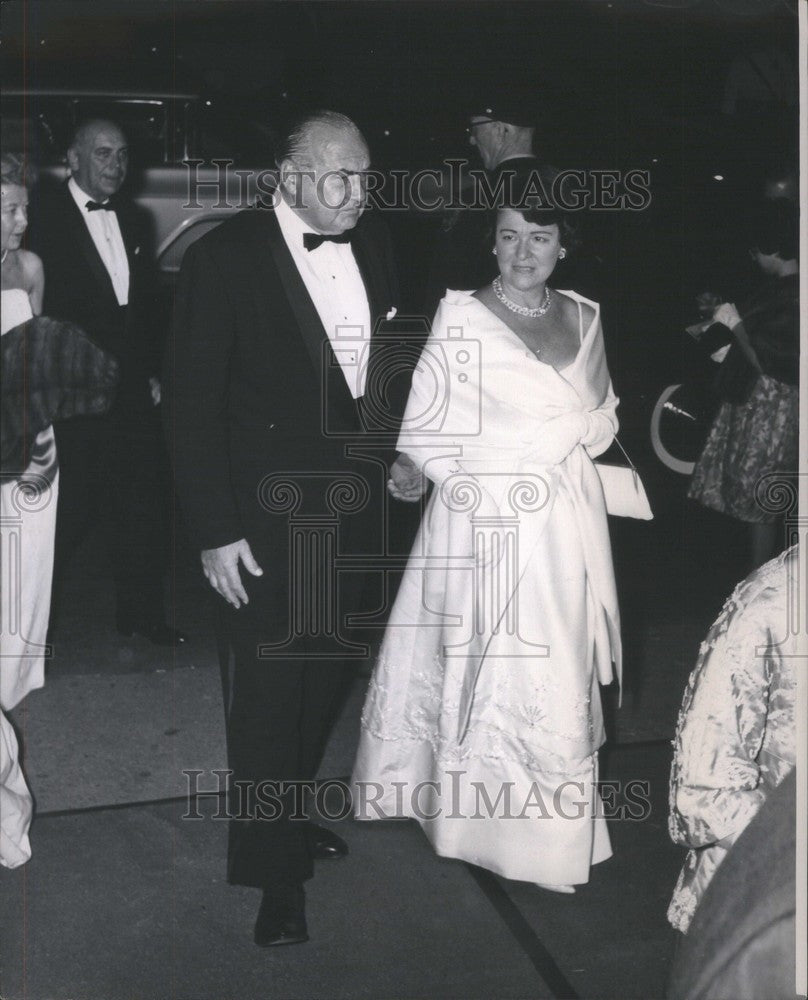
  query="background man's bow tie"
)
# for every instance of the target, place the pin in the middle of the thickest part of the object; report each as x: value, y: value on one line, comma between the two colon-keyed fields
x: 313, y: 240
x: 95, y: 206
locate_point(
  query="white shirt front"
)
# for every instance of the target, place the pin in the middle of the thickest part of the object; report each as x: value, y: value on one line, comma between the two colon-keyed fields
x: 332, y: 279
x: 105, y: 231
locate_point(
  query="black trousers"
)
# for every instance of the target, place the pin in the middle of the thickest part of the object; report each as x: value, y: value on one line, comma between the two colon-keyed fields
x: 113, y: 470
x: 279, y: 712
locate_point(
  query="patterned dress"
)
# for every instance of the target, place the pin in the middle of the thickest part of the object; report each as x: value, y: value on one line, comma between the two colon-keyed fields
x: 758, y: 437
x: 735, y: 738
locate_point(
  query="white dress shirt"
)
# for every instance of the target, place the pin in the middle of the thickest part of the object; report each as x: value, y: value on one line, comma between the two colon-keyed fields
x: 105, y: 231
x: 333, y: 281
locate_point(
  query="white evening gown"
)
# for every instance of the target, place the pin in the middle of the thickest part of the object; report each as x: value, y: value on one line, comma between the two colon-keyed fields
x: 483, y: 717
x: 28, y: 505
x: 28, y: 513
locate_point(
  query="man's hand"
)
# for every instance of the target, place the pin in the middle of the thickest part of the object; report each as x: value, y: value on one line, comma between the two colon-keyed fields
x: 156, y: 392
x: 406, y: 481
x: 220, y: 567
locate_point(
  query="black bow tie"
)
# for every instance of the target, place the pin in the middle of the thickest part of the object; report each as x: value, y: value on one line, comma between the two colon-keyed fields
x: 96, y: 206
x: 313, y: 240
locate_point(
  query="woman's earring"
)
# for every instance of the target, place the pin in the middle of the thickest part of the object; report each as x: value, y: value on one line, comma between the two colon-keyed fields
x: 562, y: 253
x: 494, y: 251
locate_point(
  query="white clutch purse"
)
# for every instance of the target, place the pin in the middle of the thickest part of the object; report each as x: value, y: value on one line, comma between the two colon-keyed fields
x: 623, y: 489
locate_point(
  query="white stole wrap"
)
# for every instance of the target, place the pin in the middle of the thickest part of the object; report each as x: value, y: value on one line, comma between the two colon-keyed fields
x: 502, y: 435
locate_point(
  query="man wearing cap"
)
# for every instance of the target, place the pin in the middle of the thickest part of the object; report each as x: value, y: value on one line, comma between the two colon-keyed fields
x: 502, y: 130
x: 503, y: 134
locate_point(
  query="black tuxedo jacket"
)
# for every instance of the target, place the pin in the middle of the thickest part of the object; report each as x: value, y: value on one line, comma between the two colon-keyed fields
x: 251, y: 386
x: 78, y: 287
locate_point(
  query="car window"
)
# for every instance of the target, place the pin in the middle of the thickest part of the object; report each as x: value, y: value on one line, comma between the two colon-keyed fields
x: 217, y: 131
x: 144, y: 122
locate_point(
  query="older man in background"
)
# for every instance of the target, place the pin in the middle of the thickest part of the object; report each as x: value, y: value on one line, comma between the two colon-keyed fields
x: 95, y: 245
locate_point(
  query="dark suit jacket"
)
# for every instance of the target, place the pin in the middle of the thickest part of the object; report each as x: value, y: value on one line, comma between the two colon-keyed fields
x: 251, y: 386
x: 78, y: 287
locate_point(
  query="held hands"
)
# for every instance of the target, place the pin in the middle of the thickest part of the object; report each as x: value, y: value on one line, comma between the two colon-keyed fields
x: 406, y: 481
x: 220, y: 567
x: 727, y: 314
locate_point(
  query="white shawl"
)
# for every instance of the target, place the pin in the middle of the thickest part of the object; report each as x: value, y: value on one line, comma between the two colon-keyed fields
x: 484, y: 414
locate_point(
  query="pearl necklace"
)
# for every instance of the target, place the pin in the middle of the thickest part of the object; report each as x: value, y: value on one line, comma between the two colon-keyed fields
x: 521, y: 310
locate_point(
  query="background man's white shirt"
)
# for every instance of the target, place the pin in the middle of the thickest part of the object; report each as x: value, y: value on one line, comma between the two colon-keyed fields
x: 106, y: 235
x: 332, y: 279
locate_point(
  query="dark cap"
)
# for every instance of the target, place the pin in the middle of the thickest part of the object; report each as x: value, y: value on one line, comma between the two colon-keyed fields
x: 511, y: 106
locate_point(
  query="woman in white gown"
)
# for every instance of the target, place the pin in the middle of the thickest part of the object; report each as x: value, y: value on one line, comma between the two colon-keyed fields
x: 51, y: 370
x: 28, y: 511
x: 483, y: 718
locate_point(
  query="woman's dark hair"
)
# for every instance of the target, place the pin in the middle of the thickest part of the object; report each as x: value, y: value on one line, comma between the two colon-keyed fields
x: 528, y: 191
x: 542, y: 216
x: 16, y: 169
x: 775, y: 229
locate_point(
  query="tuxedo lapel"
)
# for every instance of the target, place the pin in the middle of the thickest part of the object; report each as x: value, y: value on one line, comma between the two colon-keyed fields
x: 309, y: 324
x: 84, y: 242
x: 370, y: 267
x: 128, y: 234
x: 369, y: 259
x: 308, y: 320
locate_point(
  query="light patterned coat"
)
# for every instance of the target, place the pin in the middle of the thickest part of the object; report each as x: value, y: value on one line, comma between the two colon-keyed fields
x: 735, y: 738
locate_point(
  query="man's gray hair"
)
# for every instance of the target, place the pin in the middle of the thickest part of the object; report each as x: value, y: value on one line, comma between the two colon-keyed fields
x: 89, y: 126
x: 296, y: 144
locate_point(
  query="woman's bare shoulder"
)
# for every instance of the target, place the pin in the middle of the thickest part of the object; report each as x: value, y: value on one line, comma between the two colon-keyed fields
x: 570, y: 305
x: 31, y: 266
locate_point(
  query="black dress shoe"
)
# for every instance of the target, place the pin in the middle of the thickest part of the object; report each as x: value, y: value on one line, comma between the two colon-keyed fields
x: 159, y: 633
x: 324, y: 845
x: 281, y: 918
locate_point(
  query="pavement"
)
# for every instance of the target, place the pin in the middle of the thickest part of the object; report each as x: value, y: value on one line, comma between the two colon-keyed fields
x: 125, y: 896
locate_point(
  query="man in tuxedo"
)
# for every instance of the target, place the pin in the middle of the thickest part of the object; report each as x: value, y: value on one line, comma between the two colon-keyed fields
x: 94, y: 244
x: 264, y: 395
